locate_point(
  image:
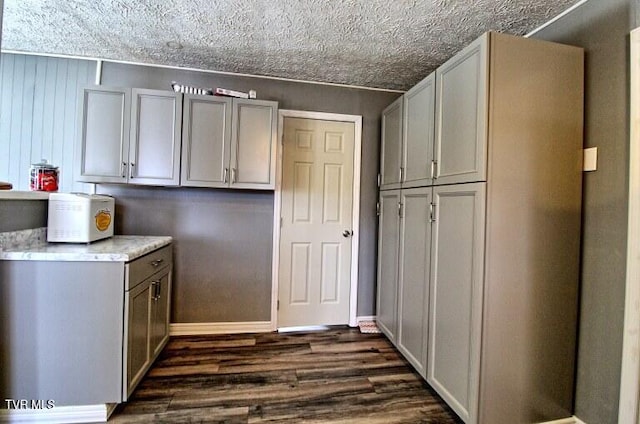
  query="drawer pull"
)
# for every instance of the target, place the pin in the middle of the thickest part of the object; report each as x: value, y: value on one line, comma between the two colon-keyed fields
x: 156, y: 262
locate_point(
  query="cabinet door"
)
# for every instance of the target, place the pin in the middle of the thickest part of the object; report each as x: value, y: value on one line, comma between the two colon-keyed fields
x: 137, y: 304
x: 159, y: 313
x: 253, y: 144
x: 154, y: 152
x: 103, y: 147
x: 455, y: 306
x: 419, y: 122
x: 461, y: 115
x: 413, y: 281
x: 206, y: 139
x: 388, y: 263
x: 391, y: 145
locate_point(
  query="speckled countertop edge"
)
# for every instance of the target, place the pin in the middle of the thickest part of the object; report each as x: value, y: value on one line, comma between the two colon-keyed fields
x: 115, y: 249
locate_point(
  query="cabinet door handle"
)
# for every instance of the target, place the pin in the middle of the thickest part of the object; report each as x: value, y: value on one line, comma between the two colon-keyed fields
x: 156, y: 262
x: 234, y: 175
x: 124, y: 169
x: 132, y: 165
x: 155, y: 291
x: 225, y: 175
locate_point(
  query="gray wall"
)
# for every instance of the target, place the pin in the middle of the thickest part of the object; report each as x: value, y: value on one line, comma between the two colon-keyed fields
x: 22, y: 214
x: 223, y: 238
x: 602, y: 28
x: 38, y: 108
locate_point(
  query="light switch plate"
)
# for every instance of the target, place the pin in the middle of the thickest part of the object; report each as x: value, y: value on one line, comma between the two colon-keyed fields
x: 590, y: 159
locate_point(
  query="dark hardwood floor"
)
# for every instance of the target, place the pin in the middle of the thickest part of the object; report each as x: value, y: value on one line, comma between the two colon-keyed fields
x: 333, y: 376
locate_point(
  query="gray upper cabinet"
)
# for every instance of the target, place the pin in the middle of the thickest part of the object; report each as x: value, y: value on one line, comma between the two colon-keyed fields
x: 154, y: 152
x: 419, y: 121
x: 388, y: 263
x: 461, y: 116
x: 253, y: 144
x: 391, y: 149
x: 229, y: 142
x: 413, y: 279
x: 151, y: 137
x: 206, y: 136
x: 456, y: 296
x: 129, y: 135
x: 103, y: 150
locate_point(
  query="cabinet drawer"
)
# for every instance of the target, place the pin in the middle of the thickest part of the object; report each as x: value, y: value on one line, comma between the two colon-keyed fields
x: 148, y: 264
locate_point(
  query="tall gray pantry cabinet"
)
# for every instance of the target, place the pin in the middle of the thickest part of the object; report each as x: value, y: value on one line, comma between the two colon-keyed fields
x: 478, y: 263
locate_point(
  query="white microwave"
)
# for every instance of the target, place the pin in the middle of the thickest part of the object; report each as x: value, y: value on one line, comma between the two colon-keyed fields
x: 79, y: 217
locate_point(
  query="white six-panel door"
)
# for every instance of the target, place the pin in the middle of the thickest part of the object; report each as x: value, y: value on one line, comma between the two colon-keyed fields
x: 316, y: 234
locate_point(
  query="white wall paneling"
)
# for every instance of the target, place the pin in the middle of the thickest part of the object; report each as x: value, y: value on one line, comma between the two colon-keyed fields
x: 38, y: 110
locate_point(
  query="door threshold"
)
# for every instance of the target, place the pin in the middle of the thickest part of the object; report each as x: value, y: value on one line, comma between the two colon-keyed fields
x: 302, y: 328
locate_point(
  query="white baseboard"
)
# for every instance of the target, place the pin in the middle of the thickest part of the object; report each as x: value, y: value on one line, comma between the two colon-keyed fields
x: 365, y: 318
x: 204, y: 328
x: 58, y: 414
x: 570, y: 420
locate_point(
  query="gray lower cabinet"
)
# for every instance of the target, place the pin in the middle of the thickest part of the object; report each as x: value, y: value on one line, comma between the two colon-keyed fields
x: 147, y: 305
x: 403, y: 271
x: 129, y: 135
x: 413, y: 276
x: 229, y: 142
x: 82, y: 333
x: 61, y: 331
x: 455, y: 300
x: 388, y: 240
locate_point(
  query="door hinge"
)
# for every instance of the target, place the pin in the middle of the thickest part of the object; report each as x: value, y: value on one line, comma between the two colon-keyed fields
x: 281, y: 221
x: 401, y: 174
x: 432, y: 212
x: 434, y: 169
x: 400, y: 211
x: 379, y: 179
x: 378, y: 208
x: 277, y: 305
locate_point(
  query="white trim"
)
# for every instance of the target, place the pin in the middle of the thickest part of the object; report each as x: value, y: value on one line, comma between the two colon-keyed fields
x: 59, y: 414
x: 235, y: 74
x: 361, y: 318
x: 630, y: 372
x: 98, y: 80
x: 357, y: 163
x: 305, y: 328
x: 557, y: 18
x: 571, y: 420
x: 203, y: 328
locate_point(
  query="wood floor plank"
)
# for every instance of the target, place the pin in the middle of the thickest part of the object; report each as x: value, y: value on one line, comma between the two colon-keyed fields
x: 333, y: 376
x: 236, y: 415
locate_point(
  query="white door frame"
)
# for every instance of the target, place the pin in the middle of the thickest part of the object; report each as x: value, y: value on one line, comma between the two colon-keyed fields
x: 628, y: 410
x: 277, y: 203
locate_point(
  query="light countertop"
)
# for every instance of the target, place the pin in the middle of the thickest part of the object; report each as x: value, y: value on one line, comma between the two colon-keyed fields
x: 23, y: 195
x: 114, y: 249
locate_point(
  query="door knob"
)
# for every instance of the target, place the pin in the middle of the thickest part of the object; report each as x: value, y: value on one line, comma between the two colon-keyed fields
x: 347, y: 233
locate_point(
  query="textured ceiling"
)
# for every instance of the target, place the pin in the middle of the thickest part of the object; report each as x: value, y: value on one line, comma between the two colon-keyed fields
x: 374, y: 43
